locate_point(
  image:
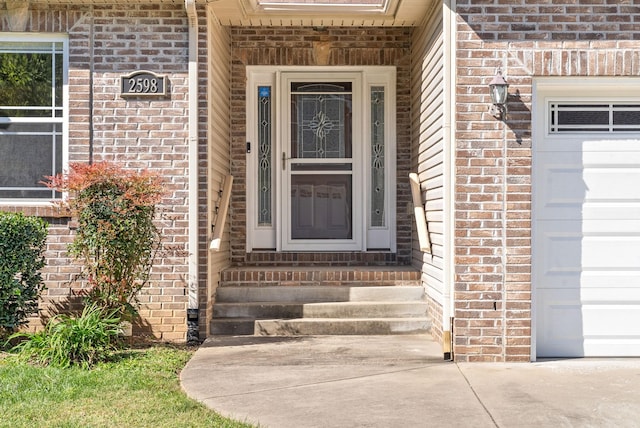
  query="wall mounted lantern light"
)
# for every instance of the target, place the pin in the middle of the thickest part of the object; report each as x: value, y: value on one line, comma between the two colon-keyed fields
x: 498, y: 90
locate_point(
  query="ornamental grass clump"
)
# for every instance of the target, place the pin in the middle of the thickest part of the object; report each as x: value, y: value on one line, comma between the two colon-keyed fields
x: 67, y: 340
x: 116, y: 238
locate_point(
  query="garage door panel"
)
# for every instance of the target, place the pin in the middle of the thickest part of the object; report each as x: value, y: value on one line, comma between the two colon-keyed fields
x: 556, y: 196
x: 588, y: 191
x: 587, y: 143
x: 563, y: 254
x: 596, y: 210
x: 603, y: 278
x: 606, y: 252
x: 579, y: 322
x: 586, y: 222
x: 603, y: 347
x: 559, y: 323
x: 590, y: 227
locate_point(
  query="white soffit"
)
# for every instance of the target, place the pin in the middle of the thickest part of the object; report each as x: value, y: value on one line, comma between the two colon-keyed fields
x: 323, y: 13
x: 323, y: 6
x: 291, y: 13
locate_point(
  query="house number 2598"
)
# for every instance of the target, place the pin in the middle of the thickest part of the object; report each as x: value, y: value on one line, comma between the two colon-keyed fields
x: 143, y: 85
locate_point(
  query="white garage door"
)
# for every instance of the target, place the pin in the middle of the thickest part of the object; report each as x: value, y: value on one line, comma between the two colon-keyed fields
x: 586, y: 254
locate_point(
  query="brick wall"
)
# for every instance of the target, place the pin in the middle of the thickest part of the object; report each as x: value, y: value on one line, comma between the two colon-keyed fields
x: 329, y: 46
x: 493, y: 159
x: 134, y: 132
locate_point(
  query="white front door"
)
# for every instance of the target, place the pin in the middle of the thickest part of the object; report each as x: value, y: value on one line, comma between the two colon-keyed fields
x: 321, y: 159
x: 586, y: 264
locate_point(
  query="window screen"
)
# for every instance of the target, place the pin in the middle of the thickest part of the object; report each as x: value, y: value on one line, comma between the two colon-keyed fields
x: 32, y: 114
x: 596, y: 117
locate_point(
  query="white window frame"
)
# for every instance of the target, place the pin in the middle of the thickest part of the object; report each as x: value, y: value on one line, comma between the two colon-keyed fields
x: 382, y: 7
x: 260, y: 236
x: 382, y: 237
x: 64, y: 120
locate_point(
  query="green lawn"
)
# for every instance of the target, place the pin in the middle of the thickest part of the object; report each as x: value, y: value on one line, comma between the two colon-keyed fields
x: 139, y: 389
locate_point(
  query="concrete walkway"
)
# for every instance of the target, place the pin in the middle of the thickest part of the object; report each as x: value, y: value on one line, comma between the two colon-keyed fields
x: 401, y: 381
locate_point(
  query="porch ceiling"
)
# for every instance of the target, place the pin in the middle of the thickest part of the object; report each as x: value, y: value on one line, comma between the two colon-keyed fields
x: 400, y: 13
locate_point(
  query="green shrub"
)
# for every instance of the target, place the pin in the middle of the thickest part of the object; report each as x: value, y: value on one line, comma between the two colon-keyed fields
x: 116, y: 238
x: 22, y: 243
x: 68, y: 340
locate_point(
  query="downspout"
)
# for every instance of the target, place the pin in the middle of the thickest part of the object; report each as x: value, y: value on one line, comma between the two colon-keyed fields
x: 91, y: 81
x: 193, y: 325
x: 449, y: 30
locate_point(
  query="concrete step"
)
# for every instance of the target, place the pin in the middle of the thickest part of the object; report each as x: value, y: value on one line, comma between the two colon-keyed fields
x: 266, y: 310
x: 232, y: 326
x: 388, y: 309
x: 309, y: 309
x: 332, y: 326
x: 256, y: 310
x: 316, y: 294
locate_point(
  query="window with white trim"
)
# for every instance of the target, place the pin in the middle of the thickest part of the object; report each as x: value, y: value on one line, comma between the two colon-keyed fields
x: 33, y: 114
x: 594, y: 117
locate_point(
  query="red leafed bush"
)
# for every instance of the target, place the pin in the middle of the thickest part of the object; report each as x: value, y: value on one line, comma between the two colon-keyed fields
x: 116, y: 238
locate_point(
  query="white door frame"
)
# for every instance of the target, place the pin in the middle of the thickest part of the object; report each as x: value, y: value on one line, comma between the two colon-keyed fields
x: 365, y: 235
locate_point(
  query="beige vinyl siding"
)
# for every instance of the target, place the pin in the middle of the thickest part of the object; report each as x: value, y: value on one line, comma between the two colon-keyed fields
x: 218, y: 106
x: 427, y: 77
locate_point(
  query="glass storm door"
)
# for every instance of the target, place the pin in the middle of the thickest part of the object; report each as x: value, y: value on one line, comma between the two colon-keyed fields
x: 319, y: 165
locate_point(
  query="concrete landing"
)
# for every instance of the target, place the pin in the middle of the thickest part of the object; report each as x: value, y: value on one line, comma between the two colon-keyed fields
x: 402, y: 381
